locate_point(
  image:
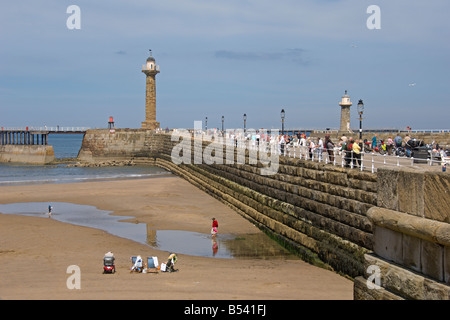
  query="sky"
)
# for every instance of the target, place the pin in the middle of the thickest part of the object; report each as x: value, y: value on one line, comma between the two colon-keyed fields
x: 226, y: 58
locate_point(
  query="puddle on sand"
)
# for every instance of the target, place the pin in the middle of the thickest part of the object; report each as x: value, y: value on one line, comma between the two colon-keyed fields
x: 228, y: 246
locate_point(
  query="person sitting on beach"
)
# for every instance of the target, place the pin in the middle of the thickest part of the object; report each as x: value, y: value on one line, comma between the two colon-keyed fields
x: 137, y: 265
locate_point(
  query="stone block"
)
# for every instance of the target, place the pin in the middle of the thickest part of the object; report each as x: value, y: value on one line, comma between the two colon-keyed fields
x: 403, y: 282
x: 435, y: 291
x: 432, y: 260
x: 387, y: 188
x: 411, y: 252
x: 437, y: 196
x: 447, y: 264
x: 388, y: 244
x: 402, y: 189
x: 362, y: 292
x: 410, y: 187
x: 406, y: 283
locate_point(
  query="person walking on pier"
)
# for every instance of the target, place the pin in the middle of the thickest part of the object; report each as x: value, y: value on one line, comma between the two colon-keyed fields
x: 282, y: 144
x: 329, y: 146
x: 374, y: 142
x: 348, y: 153
x: 319, y: 149
x: 303, y: 147
x: 311, y: 147
x: 357, y: 152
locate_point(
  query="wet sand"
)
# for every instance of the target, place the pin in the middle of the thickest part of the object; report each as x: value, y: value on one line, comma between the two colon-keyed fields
x: 36, y: 252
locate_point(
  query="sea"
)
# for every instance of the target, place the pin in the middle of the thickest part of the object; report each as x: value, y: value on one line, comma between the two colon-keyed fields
x: 67, y: 146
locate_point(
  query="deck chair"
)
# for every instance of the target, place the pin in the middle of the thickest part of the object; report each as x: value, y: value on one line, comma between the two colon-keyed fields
x: 152, y: 264
x: 133, y: 262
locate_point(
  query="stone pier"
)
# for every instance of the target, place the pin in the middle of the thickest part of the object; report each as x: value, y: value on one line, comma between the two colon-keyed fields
x: 338, y: 218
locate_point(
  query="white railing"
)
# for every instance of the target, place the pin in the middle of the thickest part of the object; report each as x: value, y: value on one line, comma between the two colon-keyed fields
x: 45, y: 128
x: 150, y: 68
x: 363, y: 161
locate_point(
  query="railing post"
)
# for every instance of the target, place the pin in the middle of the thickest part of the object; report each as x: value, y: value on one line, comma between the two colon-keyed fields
x: 351, y: 159
x: 362, y: 161
x: 373, y: 163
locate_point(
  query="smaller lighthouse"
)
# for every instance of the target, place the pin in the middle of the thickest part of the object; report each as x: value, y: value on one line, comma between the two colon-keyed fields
x: 345, y: 112
x: 151, y: 70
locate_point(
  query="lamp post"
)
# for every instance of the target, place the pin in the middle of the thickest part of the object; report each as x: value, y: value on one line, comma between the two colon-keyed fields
x: 223, y: 119
x: 360, y: 111
x: 245, y: 122
x: 283, y: 114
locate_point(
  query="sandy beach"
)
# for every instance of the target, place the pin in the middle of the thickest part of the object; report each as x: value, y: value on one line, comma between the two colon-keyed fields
x: 35, y: 252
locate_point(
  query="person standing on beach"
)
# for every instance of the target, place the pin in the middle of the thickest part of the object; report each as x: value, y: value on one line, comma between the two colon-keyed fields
x: 215, y: 226
x: 50, y: 208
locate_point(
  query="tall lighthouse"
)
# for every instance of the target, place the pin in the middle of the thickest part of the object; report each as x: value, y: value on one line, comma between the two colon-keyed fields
x: 345, y: 112
x: 151, y: 70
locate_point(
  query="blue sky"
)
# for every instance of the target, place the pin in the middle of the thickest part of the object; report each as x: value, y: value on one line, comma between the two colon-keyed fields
x: 225, y: 58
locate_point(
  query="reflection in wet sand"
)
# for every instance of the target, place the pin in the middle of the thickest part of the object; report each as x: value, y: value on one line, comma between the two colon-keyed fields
x: 255, y: 246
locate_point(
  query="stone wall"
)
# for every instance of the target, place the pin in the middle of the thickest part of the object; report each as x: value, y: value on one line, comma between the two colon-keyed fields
x: 316, y: 212
x: 411, y: 237
x: 34, y: 154
x: 102, y: 144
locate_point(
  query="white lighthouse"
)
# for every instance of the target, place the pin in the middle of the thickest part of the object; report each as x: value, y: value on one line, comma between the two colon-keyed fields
x: 345, y: 112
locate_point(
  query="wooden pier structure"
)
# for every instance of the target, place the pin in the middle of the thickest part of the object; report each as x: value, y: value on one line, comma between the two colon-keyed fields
x: 34, y: 136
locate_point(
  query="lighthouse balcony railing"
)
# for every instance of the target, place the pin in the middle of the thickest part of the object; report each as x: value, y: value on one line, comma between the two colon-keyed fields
x: 152, y: 68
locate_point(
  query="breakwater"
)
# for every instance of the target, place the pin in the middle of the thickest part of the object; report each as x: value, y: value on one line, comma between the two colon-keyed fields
x: 321, y: 211
x: 34, y: 154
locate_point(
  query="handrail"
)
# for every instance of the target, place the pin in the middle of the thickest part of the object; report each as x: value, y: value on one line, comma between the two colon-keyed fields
x: 366, y: 162
x: 46, y: 129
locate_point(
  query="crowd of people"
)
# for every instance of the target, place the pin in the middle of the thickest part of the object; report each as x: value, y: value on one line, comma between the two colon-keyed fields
x: 296, y: 145
x: 320, y: 149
